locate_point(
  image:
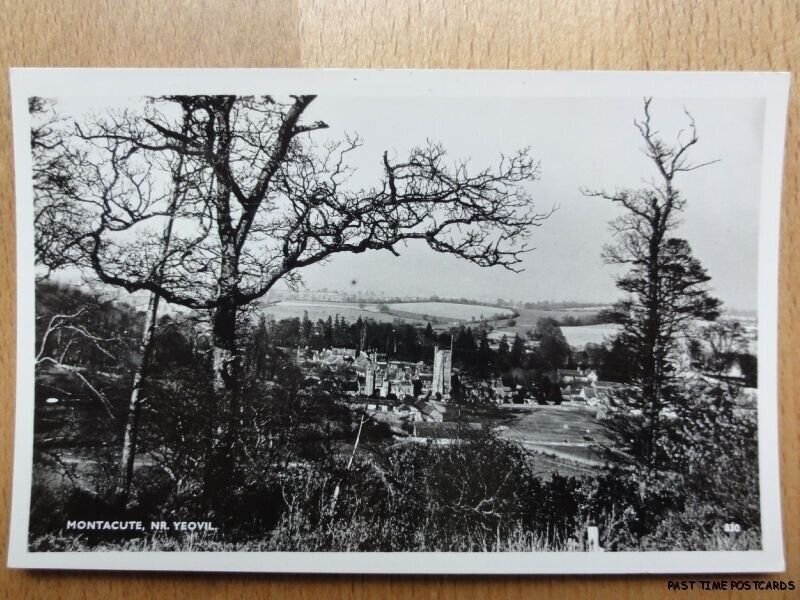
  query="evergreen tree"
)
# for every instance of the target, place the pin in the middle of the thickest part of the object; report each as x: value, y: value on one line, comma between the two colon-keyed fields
x: 665, y: 287
x: 306, y: 328
x: 554, y: 351
x: 260, y: 353
x: 503, y: 347
x: 327, y: 332
x: 517, y: 352
x: 484, y: 363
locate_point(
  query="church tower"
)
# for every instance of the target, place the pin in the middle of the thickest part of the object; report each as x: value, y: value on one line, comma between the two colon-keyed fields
x: 442, y: 367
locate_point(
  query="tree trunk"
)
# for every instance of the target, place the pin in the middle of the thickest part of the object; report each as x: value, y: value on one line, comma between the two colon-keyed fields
x: 335, y: 497
x: 134, y: 405
x: 224, y: 339
x: 220, y: 465
x: 651, y: 355
x: 130, y: 437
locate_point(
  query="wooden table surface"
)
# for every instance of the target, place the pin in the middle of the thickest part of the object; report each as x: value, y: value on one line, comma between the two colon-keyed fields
x: 497, y: 34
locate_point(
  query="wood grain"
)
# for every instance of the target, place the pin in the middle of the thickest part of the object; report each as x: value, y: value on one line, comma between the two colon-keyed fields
x: 550, y: 34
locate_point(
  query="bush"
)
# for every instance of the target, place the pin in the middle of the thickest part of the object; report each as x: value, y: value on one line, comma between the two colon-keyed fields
x: 292, y: 486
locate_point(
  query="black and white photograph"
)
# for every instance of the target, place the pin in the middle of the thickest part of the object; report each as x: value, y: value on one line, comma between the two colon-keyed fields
x: 401, y: 321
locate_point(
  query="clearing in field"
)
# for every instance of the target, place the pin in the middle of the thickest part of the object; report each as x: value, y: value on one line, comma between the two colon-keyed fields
x: 567, y: 435
x: 564, y: 438
x: 578, y: 337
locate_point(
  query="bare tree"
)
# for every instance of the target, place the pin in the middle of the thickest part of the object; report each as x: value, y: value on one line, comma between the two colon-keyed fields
x: 725, y: 341
x: 57, y: 219
x: 61, y: 227
x: 267, y: 201
x: 129, y: 443
x: 59, y: 339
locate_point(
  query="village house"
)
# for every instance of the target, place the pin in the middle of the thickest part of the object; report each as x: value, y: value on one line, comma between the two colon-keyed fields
x: 408, y: 411
x: 332, y: 359
x: 350, y: 352
x: 576, y: 376
x: 429, y: 411
x: 584, y: 386
x: 502, y: 393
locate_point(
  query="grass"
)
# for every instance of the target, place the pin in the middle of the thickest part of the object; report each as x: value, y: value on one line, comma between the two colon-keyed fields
x: 552, y: 424
x: 527, y: 318
x: 152, y: 543
x: 578, y: 337
x: 440, y: 314
x: 347, y: 540
x: 555, y: 435
x: 451, y: 310
x: 567, y: 439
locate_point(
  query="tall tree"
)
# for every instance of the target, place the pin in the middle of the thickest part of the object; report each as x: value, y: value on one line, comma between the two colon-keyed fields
x: 517, y: 352
x: 665, y: 286
x: 503, y: 347
x: 307, y: 328
x: 484, y: 354
x: 554, y: 350
x: 327, y: 332
x: 267, y: 202
x: 259, y: 358
x: 178, y: 190
x: 59, y: 222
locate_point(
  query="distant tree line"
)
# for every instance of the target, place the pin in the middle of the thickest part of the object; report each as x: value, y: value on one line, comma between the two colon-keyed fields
x: 497, y: 302
x: 528, y: 360
x: 580, y: 321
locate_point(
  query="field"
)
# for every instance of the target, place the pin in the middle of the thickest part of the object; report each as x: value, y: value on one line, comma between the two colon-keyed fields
x: 578, y: 337
x: 289, y: 309
x: 565, y: 438
x: 527, y: 318
x: 450, y: 311
x: 443, y: 315
x: 551, y: 425
x: 416, y: 313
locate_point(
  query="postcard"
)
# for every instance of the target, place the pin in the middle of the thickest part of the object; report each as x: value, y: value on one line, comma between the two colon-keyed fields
x: 358, y: 321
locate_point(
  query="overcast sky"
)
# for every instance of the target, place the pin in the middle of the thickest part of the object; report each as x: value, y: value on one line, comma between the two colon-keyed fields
x: 580, y: 142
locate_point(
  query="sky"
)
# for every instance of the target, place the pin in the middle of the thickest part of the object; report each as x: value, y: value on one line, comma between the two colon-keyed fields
x: 580, y: 143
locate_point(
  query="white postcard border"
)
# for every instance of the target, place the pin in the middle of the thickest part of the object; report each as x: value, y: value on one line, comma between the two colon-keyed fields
x: 772, y: 87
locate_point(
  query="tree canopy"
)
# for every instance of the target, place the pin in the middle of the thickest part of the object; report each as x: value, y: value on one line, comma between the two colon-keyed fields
x: 264, y: 200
